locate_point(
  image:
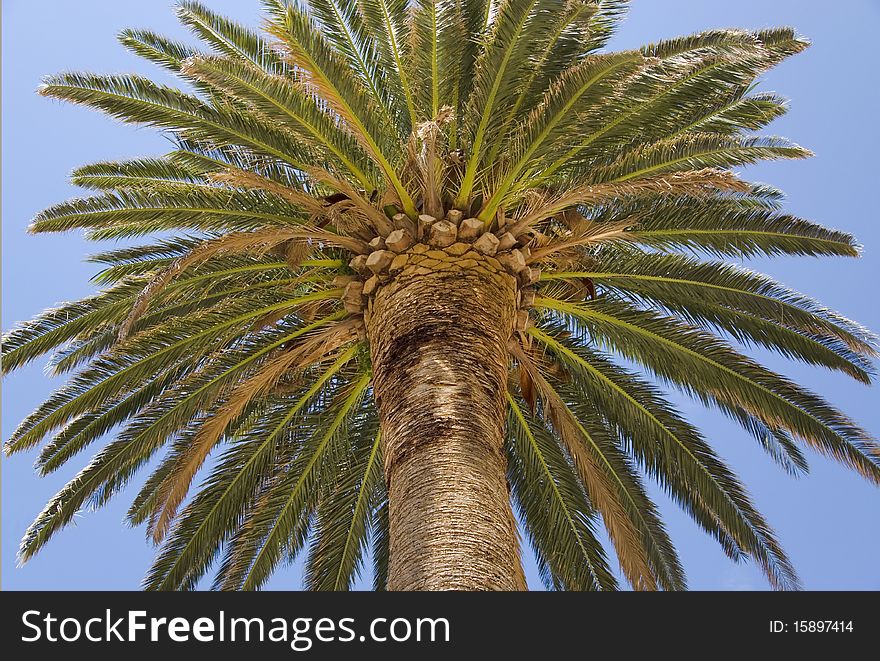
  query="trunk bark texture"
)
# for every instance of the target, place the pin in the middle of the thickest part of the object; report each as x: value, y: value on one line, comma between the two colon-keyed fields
x: 438, y: 335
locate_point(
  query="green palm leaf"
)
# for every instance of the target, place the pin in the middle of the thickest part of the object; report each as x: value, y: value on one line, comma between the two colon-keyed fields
x: 556, y: 513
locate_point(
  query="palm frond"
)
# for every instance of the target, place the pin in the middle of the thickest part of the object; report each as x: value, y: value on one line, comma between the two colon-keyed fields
x: 324, y: 71
x: 705, y: 366
x: 214, y: 513
x: 343, y: 519
x: 138, y: 100
x: 674, y: 454
x: 558, y: 518
x: 607, y: 479
x: 295, y: 494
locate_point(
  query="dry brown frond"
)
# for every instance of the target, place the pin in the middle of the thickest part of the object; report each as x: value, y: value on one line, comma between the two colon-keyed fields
x: 309, y: 311
x: 585, y: 233
x: 357, y: 201
x: 297, y: 252
x: 423, y: 151
x: 251, y: 180
x: 256, y: 242
x: 176, y: 484
x: 698, y: 183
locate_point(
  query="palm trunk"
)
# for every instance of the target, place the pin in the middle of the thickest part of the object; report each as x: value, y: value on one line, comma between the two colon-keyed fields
x: 438, y: 336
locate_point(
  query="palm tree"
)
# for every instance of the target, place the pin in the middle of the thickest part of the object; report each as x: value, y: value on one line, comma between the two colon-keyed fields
x: 419, y: 265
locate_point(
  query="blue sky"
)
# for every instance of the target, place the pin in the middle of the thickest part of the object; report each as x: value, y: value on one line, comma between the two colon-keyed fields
x: 827, y: 520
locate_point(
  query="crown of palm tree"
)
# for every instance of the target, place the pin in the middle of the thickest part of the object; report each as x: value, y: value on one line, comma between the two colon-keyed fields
x: 360, y: 141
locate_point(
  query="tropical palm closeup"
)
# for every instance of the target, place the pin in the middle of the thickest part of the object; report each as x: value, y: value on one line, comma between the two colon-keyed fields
x: 419, y: 278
